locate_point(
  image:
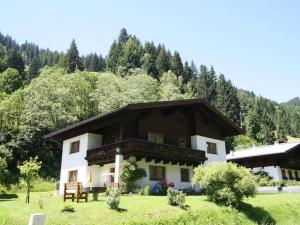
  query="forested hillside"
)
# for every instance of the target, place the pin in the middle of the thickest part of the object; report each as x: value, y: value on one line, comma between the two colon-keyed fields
x: 43, y: 90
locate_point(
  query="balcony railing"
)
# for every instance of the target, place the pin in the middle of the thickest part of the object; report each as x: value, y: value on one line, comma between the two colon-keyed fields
x: 144, y: 149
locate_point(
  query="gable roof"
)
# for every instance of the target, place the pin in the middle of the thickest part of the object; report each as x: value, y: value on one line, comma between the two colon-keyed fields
x: 263, y: 150
x: 234, y: 129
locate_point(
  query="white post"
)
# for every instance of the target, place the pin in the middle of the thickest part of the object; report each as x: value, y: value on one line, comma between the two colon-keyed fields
x: 37, y: 219
x: 118, y: 166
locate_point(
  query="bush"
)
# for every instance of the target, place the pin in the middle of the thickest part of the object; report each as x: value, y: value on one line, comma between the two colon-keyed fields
x: 113, y: 199
x: 68, y: 208
x: 176, y: 197
x: 225, y: 183
x: 130, y: 173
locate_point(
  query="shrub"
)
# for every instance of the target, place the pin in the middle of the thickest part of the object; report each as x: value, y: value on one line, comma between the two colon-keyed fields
x: 225, y: 183
x: 176, y: 197
x: 68, y: 208
x: 130, y: 173
x: 113, y: 199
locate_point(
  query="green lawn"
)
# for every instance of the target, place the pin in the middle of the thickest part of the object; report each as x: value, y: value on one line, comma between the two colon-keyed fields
x: 263, y: 209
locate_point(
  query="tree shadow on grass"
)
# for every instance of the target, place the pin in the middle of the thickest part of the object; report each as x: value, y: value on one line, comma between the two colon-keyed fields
x: 121, y: 210
x: 257, y: 214
x: 8, y: 196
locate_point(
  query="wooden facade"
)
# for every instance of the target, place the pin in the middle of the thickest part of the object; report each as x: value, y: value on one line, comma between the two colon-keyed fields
x: 144, y: 149
x: 127, y: 130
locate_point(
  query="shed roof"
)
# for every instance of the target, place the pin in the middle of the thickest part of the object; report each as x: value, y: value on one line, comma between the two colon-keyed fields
x: 262, y: 150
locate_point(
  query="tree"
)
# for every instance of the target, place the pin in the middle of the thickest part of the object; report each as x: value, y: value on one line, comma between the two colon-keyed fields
x: 15, y: 60
x: 92, y: 62
x: 205, y: 86
x: 123, y: 36
x: 176, y: 64
x: 3, y: 65
x: 187, y: 73
x: 227, y: 100
x: 149, y: 58
x: 253, y: 124
x: 131, y: 54
x: 113, y: 57
x: 170, y: 86
x: 194, y: 70
x: 10, y: 80
x: 34, y: 68
x: 163, y: 61
x: 29, y: 172
x: 73, y: 59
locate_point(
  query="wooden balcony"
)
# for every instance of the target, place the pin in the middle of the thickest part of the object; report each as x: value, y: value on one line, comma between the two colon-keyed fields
x: 144, y: 149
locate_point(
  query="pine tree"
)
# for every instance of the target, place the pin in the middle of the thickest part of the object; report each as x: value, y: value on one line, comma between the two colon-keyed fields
x: 113, y: 57
x: 162, y: 62
x: 123, y: 36
x: 194, y: 70
x: 227, y: 100
x: 15, y: 60
x: 149, y: 58
x: 187, y: 73
x: 102, y: 63
x: 206, y: 85
x: 176, y: 64
x: 131, y: 55
x: 73, y: 59
x: 33, y: 69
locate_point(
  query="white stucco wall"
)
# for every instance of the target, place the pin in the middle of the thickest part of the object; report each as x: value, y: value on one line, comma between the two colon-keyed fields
x: 172, y: 174
x: 274, y: 172
x: 200, y: 142
x: 76, y: 161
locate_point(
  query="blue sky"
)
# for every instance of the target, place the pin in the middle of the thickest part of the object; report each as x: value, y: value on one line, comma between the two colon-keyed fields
x: 256, y: 44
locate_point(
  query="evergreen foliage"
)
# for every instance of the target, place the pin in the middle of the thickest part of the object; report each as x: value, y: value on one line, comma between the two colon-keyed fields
x: 73, y: 60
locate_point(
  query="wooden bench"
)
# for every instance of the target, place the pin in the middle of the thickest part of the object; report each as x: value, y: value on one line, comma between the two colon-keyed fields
x: 74, y: 190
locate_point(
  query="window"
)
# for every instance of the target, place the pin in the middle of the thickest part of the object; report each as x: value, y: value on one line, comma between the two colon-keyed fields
x: 74, y: 147
x: 283, y: 174
x: 182, y: 142
x: 157, y: 172
x: 291, y: 175
x: 112, y: 175
x: 156, y: 137
x: 73, y: 176
x: 185, y: 175
x: 211, y: 148
x: 297, y: 175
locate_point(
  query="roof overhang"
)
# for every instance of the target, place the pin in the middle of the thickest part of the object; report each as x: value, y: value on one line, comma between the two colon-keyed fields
x: 231, y: 128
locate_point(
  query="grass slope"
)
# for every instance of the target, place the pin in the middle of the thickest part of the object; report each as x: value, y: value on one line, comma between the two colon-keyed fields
x: 263, y: 209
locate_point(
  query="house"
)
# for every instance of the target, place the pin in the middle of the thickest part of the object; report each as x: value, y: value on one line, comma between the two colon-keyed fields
x: 165, y: 138
x: 280, y: 161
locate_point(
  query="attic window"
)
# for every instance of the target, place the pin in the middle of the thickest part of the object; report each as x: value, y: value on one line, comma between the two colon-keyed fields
x: 74, y: 147
x: 211, y: 148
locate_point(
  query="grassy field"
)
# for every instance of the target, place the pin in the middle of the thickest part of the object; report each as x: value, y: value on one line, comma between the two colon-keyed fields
x: 263, y: 209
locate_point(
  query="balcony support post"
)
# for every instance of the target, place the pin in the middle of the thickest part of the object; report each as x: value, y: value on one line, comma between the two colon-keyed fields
x: 118, y: 166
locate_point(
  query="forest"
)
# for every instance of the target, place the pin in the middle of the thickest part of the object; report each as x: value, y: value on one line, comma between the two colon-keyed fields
x: 43, y: 90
